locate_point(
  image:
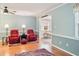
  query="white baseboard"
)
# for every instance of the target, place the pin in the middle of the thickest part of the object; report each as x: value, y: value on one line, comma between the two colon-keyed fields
x: 64, y: 50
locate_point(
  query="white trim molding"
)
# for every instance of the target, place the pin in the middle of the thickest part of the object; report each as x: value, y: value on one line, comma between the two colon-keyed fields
x: 64, y: 50
x: 64, y: 36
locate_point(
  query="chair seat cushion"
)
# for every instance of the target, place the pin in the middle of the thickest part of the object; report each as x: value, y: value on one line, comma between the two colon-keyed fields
x: 14, y: 38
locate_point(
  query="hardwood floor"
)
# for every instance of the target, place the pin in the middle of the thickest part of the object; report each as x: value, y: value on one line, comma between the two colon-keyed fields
x: 13, y: 49
x: 58, y: 52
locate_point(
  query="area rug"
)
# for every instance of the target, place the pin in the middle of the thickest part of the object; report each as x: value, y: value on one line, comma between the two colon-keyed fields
x: 38, y: 52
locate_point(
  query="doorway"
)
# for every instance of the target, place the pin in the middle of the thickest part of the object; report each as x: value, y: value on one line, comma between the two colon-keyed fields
x: 45, y: 32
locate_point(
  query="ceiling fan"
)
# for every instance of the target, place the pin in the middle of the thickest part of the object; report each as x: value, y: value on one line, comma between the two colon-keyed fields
x: 7, y: 11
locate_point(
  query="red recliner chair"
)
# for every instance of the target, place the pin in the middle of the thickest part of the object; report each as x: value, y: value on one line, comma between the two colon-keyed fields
x: 31, y: 35
x: 14, y: 37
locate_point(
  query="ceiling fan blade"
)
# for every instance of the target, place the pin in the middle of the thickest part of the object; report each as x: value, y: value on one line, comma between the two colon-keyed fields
x: 1, y: 8
x: 6, y: 10
x: 11, y: 12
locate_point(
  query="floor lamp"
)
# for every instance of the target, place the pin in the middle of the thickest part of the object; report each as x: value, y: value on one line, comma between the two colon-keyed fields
x: 6, y: 28
x: 23, y: 28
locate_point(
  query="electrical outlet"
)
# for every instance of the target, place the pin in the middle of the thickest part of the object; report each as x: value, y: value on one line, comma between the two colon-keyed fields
x: 60, y: 42
x: 54, y: 27
x: 67, y: 44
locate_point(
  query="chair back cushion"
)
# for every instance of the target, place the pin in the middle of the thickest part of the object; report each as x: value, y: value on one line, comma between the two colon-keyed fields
x: 29, y: 31
x: 14, y: 32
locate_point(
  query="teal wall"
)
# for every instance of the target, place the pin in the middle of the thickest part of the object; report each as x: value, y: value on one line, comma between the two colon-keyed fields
x: 63, y: 23
x: 16, y: 21
x: 63, y: 20
x: 73, y: 45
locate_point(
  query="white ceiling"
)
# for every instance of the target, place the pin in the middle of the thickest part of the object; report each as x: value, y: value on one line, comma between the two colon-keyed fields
x: 29, y: 8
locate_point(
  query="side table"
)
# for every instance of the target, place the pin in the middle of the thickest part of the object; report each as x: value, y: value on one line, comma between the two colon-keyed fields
x: 4, y: 40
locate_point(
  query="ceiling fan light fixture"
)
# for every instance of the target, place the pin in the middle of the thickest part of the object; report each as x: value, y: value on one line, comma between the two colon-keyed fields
x: 5, y: 10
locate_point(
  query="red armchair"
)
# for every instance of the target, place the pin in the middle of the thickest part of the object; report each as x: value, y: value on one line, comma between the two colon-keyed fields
x: 31, y: 36
x: 14, y: 37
